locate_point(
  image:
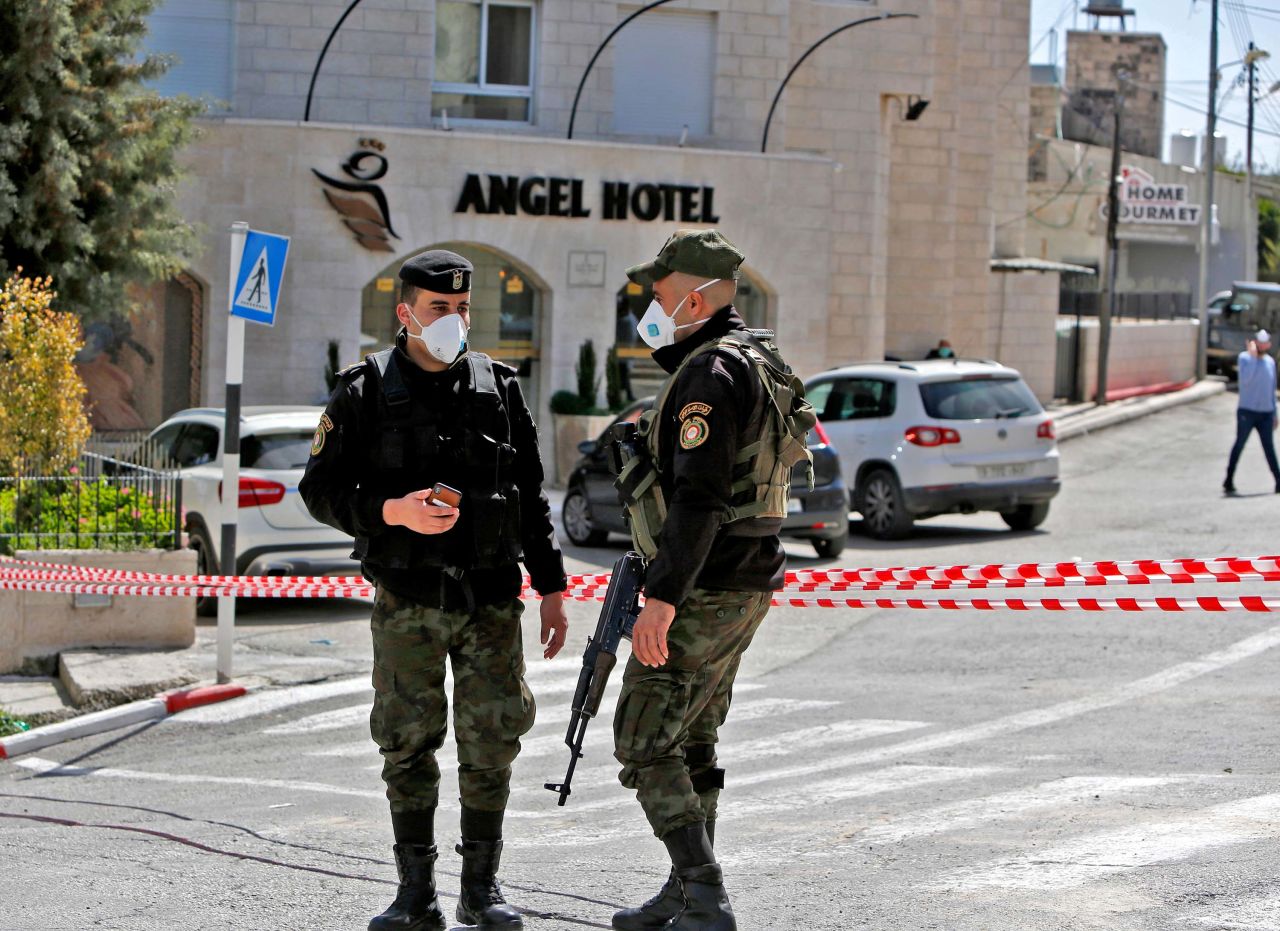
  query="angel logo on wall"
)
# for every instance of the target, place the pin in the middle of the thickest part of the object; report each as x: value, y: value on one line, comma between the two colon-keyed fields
x: 367, y: 214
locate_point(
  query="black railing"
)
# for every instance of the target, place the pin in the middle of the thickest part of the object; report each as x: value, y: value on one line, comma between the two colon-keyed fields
x: 101, y: 503
x: 1130, y: 305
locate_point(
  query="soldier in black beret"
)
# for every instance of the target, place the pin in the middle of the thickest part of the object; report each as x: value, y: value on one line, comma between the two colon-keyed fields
x: 428, y: 456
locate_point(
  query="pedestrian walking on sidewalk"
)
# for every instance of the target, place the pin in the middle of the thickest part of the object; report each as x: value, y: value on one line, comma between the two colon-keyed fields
x: 428, y: 456
x: 1257, y: 407
x: 705, y: 502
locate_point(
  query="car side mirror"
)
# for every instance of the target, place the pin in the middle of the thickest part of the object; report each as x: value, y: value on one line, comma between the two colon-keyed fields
x: 588, y: 447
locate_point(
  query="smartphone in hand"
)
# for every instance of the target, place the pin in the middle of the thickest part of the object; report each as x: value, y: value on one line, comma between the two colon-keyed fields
x: 444, y: 496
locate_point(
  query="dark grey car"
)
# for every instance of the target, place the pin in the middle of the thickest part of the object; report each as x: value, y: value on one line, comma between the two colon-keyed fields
x: 591, y: 509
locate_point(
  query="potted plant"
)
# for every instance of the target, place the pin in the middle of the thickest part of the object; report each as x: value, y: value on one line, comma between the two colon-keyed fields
x: 576, y: 416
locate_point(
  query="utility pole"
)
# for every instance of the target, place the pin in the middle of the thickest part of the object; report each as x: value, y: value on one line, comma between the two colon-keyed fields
x: 1251, y: 58
x: 1108, y: 307
x: 1206, y: 220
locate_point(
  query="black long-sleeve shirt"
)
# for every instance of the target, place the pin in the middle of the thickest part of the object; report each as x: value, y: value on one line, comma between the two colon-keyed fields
x: 700, y: 435
x: 335, y: 493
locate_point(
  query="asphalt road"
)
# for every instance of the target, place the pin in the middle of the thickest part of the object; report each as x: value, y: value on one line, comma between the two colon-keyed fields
x: 886, y: 769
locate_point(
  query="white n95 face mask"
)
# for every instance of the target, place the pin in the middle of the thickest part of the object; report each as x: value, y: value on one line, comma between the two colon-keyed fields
x: 657, y: 329
x: 445, y: 339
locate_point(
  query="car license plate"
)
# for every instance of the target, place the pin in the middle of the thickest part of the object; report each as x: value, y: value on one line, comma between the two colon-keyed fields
x: 1007, y: 470
x: 795, y: 506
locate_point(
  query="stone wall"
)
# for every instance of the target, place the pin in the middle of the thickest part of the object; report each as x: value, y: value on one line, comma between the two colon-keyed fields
x: 1024, y: 309
x: 1142, y: 355
x: 37, y: 625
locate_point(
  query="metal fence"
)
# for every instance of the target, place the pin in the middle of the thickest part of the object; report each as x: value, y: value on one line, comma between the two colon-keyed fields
x: 1130, y: 305
x: 103, y: 503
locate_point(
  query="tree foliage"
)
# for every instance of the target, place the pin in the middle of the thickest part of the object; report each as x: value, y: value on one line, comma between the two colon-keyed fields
x: 88, y: 154
x: 43, y: 424
x: 1268, y: 238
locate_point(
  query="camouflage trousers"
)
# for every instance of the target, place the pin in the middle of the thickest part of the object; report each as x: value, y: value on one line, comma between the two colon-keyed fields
x: 668, y: 719
x: 492, y: 705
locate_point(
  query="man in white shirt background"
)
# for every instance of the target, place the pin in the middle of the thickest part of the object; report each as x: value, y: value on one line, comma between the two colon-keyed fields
x: 1257, y: 406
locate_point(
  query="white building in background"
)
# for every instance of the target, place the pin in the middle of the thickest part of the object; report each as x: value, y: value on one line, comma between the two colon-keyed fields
x: 444, y: 123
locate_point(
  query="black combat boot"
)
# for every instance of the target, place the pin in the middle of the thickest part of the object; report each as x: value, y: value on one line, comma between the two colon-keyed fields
x: 480, y: 902
x: 662, y: 907
x: 706, y: 904
x: 416, y: 907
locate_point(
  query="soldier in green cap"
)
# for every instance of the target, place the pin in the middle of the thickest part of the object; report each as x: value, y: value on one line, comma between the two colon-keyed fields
x: 728, y: 426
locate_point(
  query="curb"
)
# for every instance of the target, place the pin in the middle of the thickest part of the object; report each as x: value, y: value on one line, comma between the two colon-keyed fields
x: 148, y: 709
x: 1098, y: 418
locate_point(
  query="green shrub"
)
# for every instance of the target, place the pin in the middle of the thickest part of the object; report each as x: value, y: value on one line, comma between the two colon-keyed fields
x: 11, y: 725
x: 568, y: 402
x: 75, y: 514
x: 613, y: 394
x: 588, y: 383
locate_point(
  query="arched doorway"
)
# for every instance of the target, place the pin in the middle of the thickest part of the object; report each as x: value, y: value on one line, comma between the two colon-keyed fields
x: 632, y: 300
x: 142, y: 368
x: 506, y: 311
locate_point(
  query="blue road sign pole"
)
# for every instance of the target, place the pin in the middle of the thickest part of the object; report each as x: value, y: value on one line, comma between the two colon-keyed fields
x: 231, y: 456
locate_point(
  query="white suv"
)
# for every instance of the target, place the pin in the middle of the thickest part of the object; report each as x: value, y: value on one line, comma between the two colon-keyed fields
x: 275, y: 533
x: 917, y: 439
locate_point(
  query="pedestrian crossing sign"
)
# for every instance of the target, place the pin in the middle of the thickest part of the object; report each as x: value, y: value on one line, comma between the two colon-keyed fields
x: 257, y: 289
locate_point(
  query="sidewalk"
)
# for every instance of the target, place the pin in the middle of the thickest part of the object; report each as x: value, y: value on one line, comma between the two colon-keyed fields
x: 1081, y: 419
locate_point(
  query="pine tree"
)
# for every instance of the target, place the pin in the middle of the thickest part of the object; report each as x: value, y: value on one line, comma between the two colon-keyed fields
x: 88, y: 153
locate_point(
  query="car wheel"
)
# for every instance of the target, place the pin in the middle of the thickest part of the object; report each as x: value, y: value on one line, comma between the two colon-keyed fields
x: 576, y: 517
x: 1026, y: 516
x: 198, y: 540
x: 884, y: 511
x: 830, y: 547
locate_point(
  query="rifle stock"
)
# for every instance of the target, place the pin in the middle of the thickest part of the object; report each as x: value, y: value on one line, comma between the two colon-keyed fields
x: 617, y: 619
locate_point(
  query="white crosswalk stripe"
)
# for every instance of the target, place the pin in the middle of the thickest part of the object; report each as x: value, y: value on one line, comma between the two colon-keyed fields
x: 1086, y: 859
x: 1007, y: 805
x: 1258, y: 913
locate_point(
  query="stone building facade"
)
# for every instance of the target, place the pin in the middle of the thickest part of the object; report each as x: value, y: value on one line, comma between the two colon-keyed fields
x: 866, y: 234
x: 1096, y: 61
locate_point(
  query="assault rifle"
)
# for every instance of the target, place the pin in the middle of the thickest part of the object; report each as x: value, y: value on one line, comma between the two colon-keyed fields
x: 617, y: 618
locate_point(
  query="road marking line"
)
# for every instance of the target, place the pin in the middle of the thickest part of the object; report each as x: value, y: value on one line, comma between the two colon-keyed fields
x: 821, y: 735
x: 1037, y: 717
x: 1256, y: 914
x: 1087, y: 859
x: 860, y: 785
x: 1007, y: 805
x: 269, y: 700
x: 52, y: 767
x: 325, y: 721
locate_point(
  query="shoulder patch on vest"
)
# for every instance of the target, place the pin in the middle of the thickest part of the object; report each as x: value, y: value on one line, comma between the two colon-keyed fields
x: 693, y: 431
x: 697, y: 407
x: 322, y: 431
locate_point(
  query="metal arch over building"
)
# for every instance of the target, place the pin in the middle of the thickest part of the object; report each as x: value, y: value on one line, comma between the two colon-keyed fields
x: 311, y: 88
x: 764, y: 141
x: 573, y: 112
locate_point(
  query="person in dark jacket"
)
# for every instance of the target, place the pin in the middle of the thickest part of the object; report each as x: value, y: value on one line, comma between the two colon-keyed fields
x: 708, y: 585
x: 403, y: 432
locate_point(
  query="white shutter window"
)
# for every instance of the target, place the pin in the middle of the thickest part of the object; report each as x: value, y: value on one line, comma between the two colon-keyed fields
x: 200, y: 34
x: 664, y: 73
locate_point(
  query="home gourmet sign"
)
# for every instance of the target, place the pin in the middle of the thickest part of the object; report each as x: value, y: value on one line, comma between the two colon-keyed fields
x: 566, y: 197
x: 1143, y: 199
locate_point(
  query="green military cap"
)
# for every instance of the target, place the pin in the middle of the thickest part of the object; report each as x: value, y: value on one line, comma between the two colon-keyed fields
x: 701, y: 253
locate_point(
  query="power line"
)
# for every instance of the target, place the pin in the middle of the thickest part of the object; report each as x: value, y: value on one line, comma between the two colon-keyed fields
x: 1221, y: 119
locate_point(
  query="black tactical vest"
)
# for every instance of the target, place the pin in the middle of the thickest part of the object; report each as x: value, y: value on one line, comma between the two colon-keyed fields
x: 466, y: 444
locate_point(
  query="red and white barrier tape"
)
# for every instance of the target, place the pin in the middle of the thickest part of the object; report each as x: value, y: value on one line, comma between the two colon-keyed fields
x: 804, y: 588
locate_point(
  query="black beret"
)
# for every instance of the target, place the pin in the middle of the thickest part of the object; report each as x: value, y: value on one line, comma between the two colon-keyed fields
x: 439, y: 270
